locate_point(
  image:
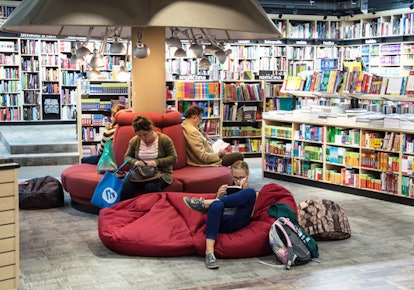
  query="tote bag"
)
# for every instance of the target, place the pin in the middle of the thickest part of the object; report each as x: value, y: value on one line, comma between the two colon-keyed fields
x: 107, y: 160
x: 107, y: 192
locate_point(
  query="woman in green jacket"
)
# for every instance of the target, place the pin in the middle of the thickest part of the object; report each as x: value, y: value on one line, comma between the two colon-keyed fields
x: 153, y: 149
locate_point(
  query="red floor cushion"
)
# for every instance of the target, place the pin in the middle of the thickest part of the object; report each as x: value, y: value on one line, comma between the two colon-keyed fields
x: 160, y: 224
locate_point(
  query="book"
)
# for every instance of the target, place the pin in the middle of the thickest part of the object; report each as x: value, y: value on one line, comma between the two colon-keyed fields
x: 409, y: 88
x: 233, y: 189
x: 219, y: 144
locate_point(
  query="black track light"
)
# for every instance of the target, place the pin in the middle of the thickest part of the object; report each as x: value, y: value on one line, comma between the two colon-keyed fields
x: 280, y: 16
x: 325, y: 17
x: 411, y: 6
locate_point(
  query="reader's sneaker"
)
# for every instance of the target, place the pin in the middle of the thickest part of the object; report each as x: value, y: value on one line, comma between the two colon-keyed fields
x: 211, y: 261
x: 195, y: 204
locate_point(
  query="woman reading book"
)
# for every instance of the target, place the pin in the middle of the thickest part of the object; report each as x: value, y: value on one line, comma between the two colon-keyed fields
x: 226, y: 213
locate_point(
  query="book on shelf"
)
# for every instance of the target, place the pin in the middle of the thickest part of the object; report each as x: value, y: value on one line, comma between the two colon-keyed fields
x: 395, y: 86
x: 409, y: 87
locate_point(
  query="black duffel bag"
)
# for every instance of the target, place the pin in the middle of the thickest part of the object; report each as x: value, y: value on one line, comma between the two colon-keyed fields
x: 41, y: 193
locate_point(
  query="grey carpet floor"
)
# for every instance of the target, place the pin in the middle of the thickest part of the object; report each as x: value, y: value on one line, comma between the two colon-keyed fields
x: 60, y: 248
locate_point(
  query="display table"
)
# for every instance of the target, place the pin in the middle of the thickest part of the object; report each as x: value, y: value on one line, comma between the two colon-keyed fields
x: 9, y: 225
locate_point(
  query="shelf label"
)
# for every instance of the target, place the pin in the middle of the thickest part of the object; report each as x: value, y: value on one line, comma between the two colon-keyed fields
x: 273, y: 42
x: 271, y: 77
x: 328, y: 43
x: 192, y: 77
x: 301, y: 42
x: 370, y: 41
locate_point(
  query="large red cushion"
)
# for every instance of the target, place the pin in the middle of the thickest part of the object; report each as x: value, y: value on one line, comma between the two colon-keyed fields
x: 203, y: 179
x: 160, y: 224
x: 80, y: 180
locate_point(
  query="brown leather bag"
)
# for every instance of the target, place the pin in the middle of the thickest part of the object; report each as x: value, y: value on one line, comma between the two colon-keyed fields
x: 323, y: 220
x: 143, y: 173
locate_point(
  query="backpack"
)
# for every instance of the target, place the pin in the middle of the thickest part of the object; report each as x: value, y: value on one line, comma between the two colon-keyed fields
x: 286, y: 243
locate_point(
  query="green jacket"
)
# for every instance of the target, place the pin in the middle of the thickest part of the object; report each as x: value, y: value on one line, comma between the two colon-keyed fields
x: 167, y: 156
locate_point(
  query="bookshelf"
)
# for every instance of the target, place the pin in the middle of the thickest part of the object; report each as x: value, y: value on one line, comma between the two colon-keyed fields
x: 9, y: 226
x: 70, y: 73
x: 6, y: 9
x: 384, y: 41
x: 342, y: 153
x: 30, y: 78
x: 241, y: 116
x: 10, y: 80
x: 205, y: 94
x: 95, y: 100
x: 275, y: 99
x: 50, y: 77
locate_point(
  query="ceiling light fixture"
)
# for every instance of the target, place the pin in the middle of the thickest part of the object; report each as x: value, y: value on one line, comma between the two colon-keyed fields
x: 195, y: 47
x: 141, y: 50
x: 83, y: 51
x: 180, y: 52
x: 123, y: 74
x: 204, y: 63
x: 280, y: 16
x: 74, y: 59
x: 93, y: 74
x: 174, y: 41
x: 221, y: 55
x: 117, y: 47
x: 97, y: 60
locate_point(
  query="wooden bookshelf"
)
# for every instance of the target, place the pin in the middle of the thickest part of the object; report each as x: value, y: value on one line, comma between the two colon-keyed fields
x: 9, y: 226
x: 341, y: 153
x: 95, y: 100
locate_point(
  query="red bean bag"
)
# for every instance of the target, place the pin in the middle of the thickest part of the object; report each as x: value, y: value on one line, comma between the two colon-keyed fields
x: 160, y: 224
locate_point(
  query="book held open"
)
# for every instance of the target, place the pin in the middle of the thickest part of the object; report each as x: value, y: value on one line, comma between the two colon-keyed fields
x: 233, y: 189
x: 219, y: 144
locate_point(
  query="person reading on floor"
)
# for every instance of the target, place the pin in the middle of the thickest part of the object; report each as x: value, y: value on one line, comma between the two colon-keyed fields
x: 199, y: 150
x: 149, y: 148
x: 108, y: 134
x: 226, y: 213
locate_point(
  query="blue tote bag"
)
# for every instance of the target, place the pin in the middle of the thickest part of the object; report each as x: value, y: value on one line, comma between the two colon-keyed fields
x: 107, y: 192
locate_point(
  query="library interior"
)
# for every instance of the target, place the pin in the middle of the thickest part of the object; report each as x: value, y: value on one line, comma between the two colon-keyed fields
x: 318, y: 95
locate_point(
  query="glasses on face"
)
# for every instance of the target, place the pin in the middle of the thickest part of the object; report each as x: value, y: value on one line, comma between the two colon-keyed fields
x: 239, y: 178
x: 198, y: 117
x: 144, y: 135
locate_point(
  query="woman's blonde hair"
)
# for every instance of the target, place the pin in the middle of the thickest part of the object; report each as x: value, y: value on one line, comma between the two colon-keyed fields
x: 240, y: 164
x: 115, y: 109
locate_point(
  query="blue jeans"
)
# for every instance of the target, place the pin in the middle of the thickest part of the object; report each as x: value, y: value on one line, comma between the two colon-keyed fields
x: 93, y: 159
x: 217, y: 222
x: 132, y: 189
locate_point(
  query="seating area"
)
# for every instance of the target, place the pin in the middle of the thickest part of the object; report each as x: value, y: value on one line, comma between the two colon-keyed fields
x: 160, y: 225
x: 80, y: 180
